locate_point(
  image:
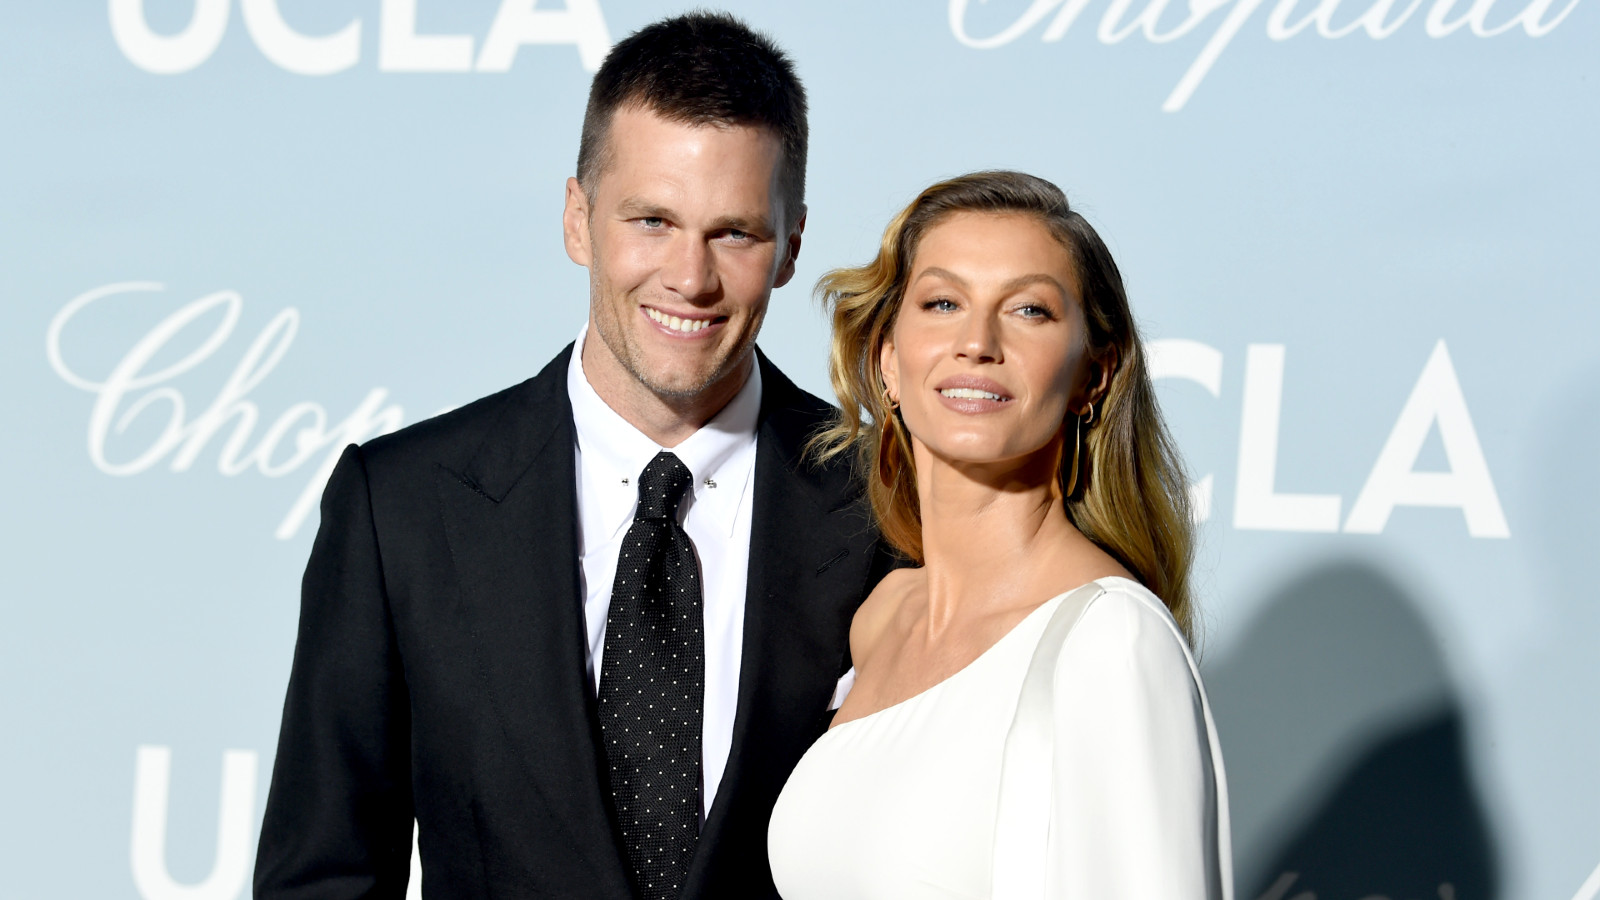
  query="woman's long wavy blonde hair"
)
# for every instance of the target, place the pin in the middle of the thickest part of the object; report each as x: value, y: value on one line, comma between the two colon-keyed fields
x: 1131, y: 498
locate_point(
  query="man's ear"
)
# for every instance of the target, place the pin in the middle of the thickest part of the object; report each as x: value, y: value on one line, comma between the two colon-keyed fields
x: 575, y: 225
x: 790, y: 250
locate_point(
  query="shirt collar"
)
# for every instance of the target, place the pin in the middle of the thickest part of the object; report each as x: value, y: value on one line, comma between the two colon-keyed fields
x: 720, y: 455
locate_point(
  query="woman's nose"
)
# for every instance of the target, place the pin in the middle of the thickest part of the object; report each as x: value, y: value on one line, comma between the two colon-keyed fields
x: 979, y: 339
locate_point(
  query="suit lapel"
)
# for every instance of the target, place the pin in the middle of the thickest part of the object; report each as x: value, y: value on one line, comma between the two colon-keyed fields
x: 511, y: 516
x: 809, y: 552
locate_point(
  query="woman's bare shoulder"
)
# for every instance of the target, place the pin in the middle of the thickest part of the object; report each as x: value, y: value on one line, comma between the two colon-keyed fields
x: 878, y: 610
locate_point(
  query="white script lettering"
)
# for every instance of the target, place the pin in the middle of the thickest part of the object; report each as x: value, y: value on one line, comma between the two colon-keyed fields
x: 152, y: 776
x: 1435, y: 400
x: 1201, y: 364
x: 400, y: 47
x: 296, y: 52
x: 152, y: 779
x: 1379, y: 20
x: 1256, y: 501
x: 130, y: 389
x: 141, y: 387
x: 168, y: 54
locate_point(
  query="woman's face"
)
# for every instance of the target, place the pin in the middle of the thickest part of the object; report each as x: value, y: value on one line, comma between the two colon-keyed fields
x: 989, y: 352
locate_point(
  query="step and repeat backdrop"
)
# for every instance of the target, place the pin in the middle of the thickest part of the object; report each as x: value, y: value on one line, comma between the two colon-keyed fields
x: 1360, y: 234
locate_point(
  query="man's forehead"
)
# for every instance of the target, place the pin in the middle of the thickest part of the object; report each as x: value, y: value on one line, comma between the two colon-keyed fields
x: 643, y: 111
x: 654, y: 161
x: 640, y: 128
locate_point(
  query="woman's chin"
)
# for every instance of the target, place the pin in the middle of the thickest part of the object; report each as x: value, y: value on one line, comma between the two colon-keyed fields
x: 991, y: 455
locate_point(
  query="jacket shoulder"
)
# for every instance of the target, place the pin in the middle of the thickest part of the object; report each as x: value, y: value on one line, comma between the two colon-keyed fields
x: 452, y: 438
x: 792, y: 414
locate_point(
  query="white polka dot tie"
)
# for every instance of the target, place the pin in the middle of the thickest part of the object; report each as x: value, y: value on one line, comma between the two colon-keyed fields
x: 652, y: 685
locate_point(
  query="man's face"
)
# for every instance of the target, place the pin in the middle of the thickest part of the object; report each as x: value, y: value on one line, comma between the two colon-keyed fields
x: 684, y: 241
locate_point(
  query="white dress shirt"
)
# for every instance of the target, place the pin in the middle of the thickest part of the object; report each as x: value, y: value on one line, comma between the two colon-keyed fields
x: 611, y: 454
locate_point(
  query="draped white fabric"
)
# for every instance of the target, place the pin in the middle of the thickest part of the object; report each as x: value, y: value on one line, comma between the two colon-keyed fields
x: 1112, y: 786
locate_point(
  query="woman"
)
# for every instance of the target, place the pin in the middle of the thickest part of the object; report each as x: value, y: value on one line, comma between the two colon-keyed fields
x: 1026, y: 718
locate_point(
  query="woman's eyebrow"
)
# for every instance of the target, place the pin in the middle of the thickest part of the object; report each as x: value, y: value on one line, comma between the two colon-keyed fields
x: 1022, y: 281
x: 1011, y: 286
x: 946, y: 274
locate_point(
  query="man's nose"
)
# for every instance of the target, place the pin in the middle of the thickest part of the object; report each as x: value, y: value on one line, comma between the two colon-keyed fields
x: 691, y: 269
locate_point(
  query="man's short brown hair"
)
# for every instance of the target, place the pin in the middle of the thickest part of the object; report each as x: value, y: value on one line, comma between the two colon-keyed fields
x: 702, y: 68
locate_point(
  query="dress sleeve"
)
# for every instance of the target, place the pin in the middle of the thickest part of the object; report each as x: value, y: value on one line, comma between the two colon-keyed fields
x: 1134, y: 805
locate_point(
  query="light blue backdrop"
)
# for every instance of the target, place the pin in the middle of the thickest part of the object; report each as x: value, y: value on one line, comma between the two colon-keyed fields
x: 1369, y: 261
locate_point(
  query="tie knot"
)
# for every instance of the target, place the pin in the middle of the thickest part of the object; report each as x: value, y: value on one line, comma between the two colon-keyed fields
x: 662, y: 486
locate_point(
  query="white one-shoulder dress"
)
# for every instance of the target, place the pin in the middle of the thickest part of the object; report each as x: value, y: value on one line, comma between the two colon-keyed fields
x: 1109, y: 786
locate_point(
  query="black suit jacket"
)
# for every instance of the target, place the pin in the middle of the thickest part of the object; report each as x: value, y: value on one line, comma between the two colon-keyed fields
x: 440, y: 665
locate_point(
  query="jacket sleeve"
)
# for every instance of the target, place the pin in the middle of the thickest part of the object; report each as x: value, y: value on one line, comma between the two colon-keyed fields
x: 339, y: 812
x: 1134, y: 809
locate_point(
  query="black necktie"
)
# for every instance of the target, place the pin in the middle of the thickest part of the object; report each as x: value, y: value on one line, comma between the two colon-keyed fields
x: 652, y: 685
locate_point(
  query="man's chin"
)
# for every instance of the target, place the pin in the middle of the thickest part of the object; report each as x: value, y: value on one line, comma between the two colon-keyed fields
x: 672, y: 380
x: 680, y: 384
x: 673, y: 391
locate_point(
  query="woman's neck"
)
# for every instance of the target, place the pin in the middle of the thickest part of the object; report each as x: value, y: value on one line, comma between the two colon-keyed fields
x: 992, y: 535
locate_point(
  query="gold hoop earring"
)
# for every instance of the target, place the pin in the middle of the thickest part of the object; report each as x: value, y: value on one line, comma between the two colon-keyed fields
x: 1089, y: 417
x: 888, y: 450
x: 1077, y: 442
x: 889, y: 400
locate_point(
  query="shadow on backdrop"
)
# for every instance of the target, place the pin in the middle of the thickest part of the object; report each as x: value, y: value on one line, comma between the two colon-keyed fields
x: 1344, y: 744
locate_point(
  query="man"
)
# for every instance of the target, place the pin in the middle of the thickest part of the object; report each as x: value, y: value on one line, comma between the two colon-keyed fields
x: 582, y: 630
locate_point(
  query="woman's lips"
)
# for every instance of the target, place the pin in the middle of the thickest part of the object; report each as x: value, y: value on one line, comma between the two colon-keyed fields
x: 972, y: 394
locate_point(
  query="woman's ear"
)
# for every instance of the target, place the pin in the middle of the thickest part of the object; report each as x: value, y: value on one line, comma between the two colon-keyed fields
x: 889, y: 367
x: 1101, y: 370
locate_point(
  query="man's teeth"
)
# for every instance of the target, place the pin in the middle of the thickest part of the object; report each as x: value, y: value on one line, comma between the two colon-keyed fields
x: 676, y: 324
x: 969, y: 394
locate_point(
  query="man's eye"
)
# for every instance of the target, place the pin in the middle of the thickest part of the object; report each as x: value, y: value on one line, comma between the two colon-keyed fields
x: 652, y: 222
x: 737, y: 235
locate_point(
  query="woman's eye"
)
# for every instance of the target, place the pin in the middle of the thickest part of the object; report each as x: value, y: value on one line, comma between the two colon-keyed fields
x: 939, y: 304
x: 1034, y: 311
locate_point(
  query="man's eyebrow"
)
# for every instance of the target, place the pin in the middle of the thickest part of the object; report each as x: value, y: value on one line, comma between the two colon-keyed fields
x: 749, y: 224
x: 638, y: 207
